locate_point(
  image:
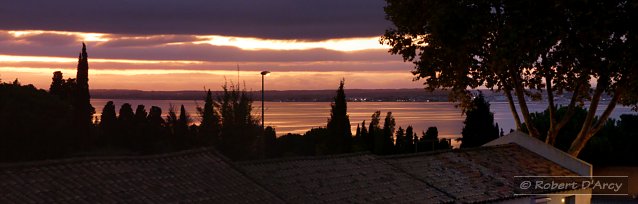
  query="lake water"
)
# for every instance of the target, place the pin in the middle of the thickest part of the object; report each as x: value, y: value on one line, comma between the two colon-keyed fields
x: 299, y: 117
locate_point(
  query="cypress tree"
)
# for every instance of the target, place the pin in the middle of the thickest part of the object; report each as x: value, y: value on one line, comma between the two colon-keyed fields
x: 479, y: 124
x: 374, y: 130
x: 209, y: 127
x: 125, y: 126
x: 409, y: 137
x: 83, y: 110
x: 340, y: 135
x: 383, y: 143
x: 108, y: 124
x: 400, y: 144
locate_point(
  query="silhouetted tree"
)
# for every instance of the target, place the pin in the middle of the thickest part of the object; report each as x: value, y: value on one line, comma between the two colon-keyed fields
x: 314, y: 139
x: 374, y: 130
x: 209, y: 127
x: 108, y: 124
x: 410, y: 139
x: 125, y: 126
x: 514, y: 46
x: 401, y: 142
x: 182, y: 135
x: 361, y: 138
x: 293, y: 145
x: 430, y: 139
x: 83, y: 111
x: 142, y: 140
x: 140, y: 114
x: 384, y: 142
x: 339, y: 136
x: 157, y: 129
x: 270, y: 142
x: 479, y: 124
x: 57, y: 83
x: 240, y: 129
x: 34, y: 124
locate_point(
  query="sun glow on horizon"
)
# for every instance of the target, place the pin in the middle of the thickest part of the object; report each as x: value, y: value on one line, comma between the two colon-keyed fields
x: 342, y: 44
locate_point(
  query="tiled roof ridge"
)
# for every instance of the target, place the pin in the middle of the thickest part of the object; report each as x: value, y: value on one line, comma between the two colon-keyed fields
x: 435, y: 152
x: 52, y: 162
x: 299, y: 158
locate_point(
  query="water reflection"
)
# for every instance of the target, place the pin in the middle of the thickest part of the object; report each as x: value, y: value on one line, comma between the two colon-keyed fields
x: 299, y: 117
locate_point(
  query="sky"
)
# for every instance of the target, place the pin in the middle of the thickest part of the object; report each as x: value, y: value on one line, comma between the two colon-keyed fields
x: 190, y: 45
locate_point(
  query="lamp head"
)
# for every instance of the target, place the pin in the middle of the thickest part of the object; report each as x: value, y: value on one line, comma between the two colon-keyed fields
x: 264, y: 73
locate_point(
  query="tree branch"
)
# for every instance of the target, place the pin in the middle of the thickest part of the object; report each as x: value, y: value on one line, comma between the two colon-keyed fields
x: 510, y: 101
x: 610, y: 108
x: 518, y: 88
x: 581, y: 140
x: 552, y: 111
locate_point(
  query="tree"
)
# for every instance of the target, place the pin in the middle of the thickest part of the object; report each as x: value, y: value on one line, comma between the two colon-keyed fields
x: 108, y: 124
x: 410, y: 139
x: 401, y: 142
x: 361, y: 139
x: 209, y: 127
x: 182, y: 133
x: 126, y: 126
x: 270, y: 142
x: 384, y: 142
x: 523, y: 47
x: 340, y: 135
x: 314, y: 140
x: 157, y: 131
x: 479, y: 124
x: 57, y: 83
x: 430, y: 139
x: 83, y: 110
x: 34, y: 124
x: 240, y: 129
x: 374, y: 130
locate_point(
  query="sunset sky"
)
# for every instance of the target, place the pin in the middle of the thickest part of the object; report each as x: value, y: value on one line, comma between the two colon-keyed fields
x: 176, y: 45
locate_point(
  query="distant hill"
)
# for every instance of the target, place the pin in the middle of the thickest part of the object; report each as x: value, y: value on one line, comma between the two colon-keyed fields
x: 287, y: 95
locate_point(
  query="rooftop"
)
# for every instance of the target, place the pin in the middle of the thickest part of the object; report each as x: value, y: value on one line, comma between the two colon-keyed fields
x: 471, y: 175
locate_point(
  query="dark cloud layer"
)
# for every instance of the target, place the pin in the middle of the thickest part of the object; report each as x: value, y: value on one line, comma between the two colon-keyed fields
x: 276, y: 19
x: 153, y: 48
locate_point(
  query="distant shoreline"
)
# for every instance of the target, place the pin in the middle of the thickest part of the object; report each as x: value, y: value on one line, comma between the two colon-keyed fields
x: 374, y: 95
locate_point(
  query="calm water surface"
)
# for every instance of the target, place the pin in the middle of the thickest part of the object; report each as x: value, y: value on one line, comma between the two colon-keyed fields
x: 299, y: 117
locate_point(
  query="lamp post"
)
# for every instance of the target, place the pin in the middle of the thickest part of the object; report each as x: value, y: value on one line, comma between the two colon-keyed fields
x: 263, y: 73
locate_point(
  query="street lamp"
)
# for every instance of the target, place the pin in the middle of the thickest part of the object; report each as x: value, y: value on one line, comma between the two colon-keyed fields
x: 263, y: 73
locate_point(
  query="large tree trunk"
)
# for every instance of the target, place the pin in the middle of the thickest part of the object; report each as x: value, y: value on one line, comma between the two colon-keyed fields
x: 520, y: 94
x: 588, y: 131
x: 510, y: 101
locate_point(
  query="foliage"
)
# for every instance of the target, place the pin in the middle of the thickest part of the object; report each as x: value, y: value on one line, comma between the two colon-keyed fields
x: 479, y: 124
x: 240, y: 129
x: 34, y: 124
x: 430, y: 141
x: 340, y: 136
x: 270, y: 142
x: 384, y: 142
x: 523, y: 47
x: 209, y: 127
x: 401, y: 143
x: 612, y: 145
